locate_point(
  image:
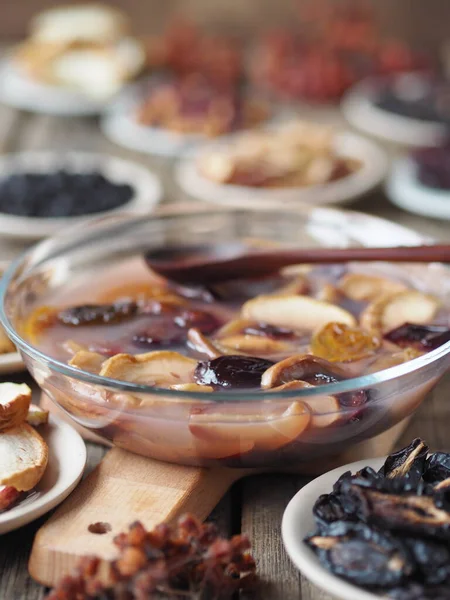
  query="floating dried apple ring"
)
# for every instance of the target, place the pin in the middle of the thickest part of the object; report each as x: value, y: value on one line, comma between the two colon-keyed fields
x: 338, y: 342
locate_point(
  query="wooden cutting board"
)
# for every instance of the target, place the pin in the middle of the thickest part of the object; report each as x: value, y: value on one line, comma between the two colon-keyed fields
x: 126, y: 487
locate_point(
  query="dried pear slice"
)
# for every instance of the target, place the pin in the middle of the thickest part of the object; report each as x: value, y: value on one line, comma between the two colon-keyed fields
x: 15, y: 401
x: 87, y: 361
x: 325, y: 410
x: 266, y: 432
x: 359, y: 287
x: 161, y: 369
x: 295, y: 312
x: 23, y: 457
x: 392, y: 310
x: 337, y: 342
x: 37, y: 416
x: 254, y: 344
x: 386, y: 361
x: 300, y: 367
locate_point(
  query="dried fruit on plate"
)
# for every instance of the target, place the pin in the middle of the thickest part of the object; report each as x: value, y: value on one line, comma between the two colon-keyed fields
x: 389, y: 531
x: 187, y: 560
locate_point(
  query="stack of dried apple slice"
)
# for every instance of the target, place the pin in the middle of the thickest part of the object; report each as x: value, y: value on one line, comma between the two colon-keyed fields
x: 23, y: 452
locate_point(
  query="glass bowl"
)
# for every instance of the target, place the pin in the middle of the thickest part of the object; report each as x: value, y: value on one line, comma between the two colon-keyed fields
x: 240, y: 429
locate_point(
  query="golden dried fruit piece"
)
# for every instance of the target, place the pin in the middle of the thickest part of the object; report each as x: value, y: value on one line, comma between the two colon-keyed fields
x: 161, y: 369
x: 87, y: 361
x: 37, y: 416
x: 361, y: 287
x: 338, y: 342
x: 392, y: 310
x: 40, y: 319
x: 294, y: 312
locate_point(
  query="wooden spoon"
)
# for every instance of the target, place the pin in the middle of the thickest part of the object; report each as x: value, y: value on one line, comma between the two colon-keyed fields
x: 206, y: 264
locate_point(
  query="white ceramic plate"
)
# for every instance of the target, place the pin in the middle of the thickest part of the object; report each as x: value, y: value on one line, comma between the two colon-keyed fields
x: 405, y: 191
x: 19, y: 91
x: 370, y: 174
x: 67, y: 459
x: 120, y: 126
x: 360, y: 111
x: 147, y: 188
x: 298, y: 522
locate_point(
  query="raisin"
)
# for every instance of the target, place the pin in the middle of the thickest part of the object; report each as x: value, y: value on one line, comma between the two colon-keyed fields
x: 232, y: 371
x: 98, y: 314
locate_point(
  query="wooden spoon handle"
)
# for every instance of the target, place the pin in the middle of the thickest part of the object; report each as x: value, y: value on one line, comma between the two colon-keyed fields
x: 122, y: 489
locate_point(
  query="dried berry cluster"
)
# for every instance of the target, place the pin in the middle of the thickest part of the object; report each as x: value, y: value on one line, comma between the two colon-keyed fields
x: 188, y: 561
x: 390, y: 530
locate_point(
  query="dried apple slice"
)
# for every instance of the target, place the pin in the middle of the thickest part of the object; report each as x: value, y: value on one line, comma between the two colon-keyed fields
x: 301, y: 367
x: 266, y: 432
x: 337, y: 342
x: 295, y: 312
x: 200, y: 343
x: 15, y: 401
x: 23, y: 457
x: 325, y: 410
x: 161, y: 369
x: 392, y: 310
x: 361, y: 287
x: 256, y: 345
x: 87, y: 361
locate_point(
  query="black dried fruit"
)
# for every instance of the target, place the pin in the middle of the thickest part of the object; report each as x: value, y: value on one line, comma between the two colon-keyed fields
x: 327, y: 509
x: 98, y: 314
x: 234, y: 371
x: 416, y: 591
x: 437, y: 467
x: 408, y: 463
x: 362, y: 555
x: 432, y: 558
x: 422, y: 337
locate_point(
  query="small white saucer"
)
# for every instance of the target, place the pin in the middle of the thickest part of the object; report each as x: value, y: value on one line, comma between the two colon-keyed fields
x: 19, y: 91
x: 67, y: 459
x: 405, y: 191
x: 368, y: 176
x: 147, y: 188
x: 358, y: 107
x: 298, y: 522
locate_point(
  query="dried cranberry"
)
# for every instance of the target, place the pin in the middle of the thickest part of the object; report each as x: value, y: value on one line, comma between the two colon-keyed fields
x: 422, y: 337
x: 98, y: 314
x: 270, y: 331
x: 232, y: 371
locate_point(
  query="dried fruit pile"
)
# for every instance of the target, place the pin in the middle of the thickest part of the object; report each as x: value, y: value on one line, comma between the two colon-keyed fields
x: 389, y: 531
x: 189, y: 560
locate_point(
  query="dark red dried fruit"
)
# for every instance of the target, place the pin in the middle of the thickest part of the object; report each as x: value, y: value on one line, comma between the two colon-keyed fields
x: 422, y: 337
x: 188, y: 560
x: 232, y: 371
x: 98, y: 314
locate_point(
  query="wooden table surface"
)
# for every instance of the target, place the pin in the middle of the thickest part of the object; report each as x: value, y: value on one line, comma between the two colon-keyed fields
x: 256, y: 504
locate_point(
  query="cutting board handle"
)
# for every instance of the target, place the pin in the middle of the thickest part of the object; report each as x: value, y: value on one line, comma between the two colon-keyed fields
x: 122, y: 489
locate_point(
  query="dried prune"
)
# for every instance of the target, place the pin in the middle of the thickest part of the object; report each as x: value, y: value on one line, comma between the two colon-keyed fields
x: 437, y: 467
x: 362, y: 554
x: 416, y: 591
x: 270, y: 331
x: 432, y: 559
x: 421, y: 337
x: 234, y: 371
x: 328, y: 508
x: 98, y: 314
x: 408, y: 462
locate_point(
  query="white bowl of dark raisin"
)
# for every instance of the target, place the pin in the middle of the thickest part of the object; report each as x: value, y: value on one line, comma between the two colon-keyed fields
x: 42, y: 192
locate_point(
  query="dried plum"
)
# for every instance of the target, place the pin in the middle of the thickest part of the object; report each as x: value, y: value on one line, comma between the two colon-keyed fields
x: 432, y: 558
x: 98, y: 314
x: 362, y: 554
x: 437, y: 467
x: 416, y: 591
x: 408, y: 462
x: 421, y: 337
x: 327, y: 509
x: 234, y: 371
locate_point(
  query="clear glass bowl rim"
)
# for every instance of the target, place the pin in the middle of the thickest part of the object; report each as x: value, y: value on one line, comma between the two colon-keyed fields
x: 348, y: 385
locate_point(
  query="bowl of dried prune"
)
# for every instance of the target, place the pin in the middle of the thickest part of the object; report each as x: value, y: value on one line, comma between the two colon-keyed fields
x: 377, y: 528
x: 261, y: 371
x: 420, y: 182
x: 43, y: 192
